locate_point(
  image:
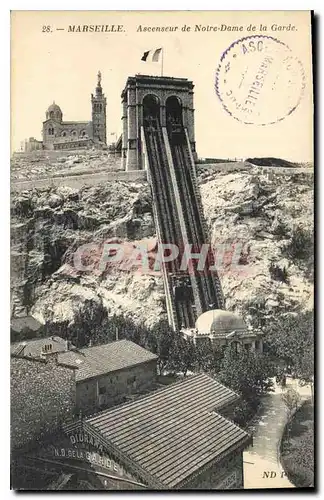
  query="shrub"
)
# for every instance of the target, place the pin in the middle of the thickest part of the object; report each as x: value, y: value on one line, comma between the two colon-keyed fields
x: 301, y: 245
x: 298, y: 452
x: 23, y: 207
x: 282, y: 230
x: 278, y: 274
x: 243, y: 413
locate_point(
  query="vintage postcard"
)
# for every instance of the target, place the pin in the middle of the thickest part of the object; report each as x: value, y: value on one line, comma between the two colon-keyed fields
x: 162, y: 254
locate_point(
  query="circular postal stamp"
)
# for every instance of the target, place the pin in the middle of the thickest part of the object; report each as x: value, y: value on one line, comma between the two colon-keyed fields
x: 259, y: 81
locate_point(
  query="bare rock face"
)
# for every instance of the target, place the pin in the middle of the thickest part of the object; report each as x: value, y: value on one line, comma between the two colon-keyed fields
x: 254, y: 216
x: 49, y: 225
x: 55, y: 201
x: 256, y: 220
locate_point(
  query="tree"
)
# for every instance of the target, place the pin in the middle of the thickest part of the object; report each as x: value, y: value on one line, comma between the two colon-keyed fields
x: 90, y: 321
x: 291, y: 338
x: 164, y: 344
x: 248, y: 373
x: 242, y: 413
x: 183, y: 355
x: 188, y: 357
x: 255, y: 310
x: 208, y: 357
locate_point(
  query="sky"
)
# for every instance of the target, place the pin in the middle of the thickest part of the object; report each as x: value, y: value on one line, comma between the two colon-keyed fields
x: 61, y: 66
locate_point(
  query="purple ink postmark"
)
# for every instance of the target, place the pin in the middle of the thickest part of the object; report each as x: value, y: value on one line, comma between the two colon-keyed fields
x: 259, y: 80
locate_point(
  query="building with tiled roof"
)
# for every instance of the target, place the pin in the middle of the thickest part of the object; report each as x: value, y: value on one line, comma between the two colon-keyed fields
x: 104, y: 374
x: 38, y: 347
x: 174, y: 432
x: 108, y: 374
x: 95, y: 361
x: 174, y: 438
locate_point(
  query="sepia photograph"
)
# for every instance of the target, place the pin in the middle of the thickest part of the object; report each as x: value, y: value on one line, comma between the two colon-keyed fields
x: 162, y: 250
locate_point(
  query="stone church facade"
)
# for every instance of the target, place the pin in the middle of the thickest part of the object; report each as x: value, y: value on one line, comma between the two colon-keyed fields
x: 59, y: 134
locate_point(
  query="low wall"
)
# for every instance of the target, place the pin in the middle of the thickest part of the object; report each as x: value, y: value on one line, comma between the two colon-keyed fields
x: 241, y: 165
x: 57, y: 153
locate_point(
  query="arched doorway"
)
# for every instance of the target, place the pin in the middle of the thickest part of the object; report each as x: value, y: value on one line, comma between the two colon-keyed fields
x: 151, y: 109
x: 173, y: 108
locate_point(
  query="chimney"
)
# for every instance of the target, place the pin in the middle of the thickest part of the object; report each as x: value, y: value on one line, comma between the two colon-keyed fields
x: 90, y: 343
x: 116, y: 333
x: 47, y: 348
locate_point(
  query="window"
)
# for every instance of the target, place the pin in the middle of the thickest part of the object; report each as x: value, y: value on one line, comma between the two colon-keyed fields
x: 63, y: 133
x: 47, y: 347
x: 102, y: 390
x: 51, y: 131
x: 52, y: 114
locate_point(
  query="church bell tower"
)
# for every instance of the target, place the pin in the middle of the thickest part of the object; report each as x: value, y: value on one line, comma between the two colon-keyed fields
x: 99, y: 103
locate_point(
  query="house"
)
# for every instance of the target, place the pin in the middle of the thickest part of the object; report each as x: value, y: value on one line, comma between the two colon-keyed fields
x: 104, y: 374
x: 38, y: 347
x: 107, y: 374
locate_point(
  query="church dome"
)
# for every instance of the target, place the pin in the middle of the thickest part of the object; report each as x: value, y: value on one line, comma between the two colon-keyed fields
x: 219, y: 321
x: 54, y: 111
x: 54, y: 107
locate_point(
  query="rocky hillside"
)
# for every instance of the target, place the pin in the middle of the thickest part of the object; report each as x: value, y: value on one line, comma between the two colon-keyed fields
x: 268, y: 219
x: 260, y: 224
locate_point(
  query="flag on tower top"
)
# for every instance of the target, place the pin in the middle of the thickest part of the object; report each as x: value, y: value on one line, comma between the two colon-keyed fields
x: 152, y: 55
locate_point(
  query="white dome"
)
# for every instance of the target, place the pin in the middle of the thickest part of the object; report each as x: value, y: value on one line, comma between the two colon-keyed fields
x: 219, y: 321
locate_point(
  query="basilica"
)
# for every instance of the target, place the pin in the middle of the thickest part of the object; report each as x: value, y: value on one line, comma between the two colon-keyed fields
x: 59, y: 134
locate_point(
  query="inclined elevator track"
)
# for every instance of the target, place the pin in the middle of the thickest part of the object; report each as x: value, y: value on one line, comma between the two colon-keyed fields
x: 206, y: 286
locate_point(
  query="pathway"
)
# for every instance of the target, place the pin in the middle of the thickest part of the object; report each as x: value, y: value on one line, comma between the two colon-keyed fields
x: 77, y: 181
x: 262, y: 468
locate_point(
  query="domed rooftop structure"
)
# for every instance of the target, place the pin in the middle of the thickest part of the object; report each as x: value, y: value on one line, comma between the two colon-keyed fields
x: 54, y: 111
x: 219, y: 322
